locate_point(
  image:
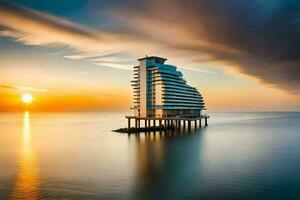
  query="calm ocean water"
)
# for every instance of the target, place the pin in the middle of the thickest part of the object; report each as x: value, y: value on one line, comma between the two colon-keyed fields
x: 76, y: 156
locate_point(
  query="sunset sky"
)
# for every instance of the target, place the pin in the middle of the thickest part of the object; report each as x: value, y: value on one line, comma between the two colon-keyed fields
x: 77, y: 55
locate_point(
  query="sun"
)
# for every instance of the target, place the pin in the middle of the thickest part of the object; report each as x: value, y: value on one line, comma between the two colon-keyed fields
x: 27, y: 98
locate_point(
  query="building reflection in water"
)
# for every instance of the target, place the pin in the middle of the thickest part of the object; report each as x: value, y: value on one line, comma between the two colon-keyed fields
x: 27, y: 180
x: 166, y: 161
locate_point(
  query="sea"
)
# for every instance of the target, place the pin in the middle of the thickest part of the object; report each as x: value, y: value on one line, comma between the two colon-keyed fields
x: 239, y: 155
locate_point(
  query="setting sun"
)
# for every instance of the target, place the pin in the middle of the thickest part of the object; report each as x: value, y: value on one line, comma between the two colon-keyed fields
x: 26, y: 98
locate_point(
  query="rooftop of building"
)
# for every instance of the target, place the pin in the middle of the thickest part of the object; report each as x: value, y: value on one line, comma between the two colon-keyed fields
x: 156, y: 58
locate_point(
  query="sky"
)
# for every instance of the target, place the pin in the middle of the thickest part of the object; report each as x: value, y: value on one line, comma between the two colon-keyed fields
x: 78, y: 55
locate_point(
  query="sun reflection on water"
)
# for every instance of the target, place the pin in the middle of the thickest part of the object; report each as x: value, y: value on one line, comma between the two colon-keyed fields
x: 27, y: 181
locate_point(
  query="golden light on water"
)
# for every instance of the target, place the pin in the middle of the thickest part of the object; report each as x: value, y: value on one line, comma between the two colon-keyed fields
x: 27, y: 181
x: 26, y: 135
x: 26, y: 98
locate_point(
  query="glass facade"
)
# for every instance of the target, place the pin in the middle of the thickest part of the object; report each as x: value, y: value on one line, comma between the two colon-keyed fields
x: 160, y: 90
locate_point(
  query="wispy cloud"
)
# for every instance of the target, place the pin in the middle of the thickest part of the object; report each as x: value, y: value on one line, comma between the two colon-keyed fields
x: 31, y: 27
x: 105, y: 48
x: 23, y: 88
x: 8, y: 87
x: 27, y: 88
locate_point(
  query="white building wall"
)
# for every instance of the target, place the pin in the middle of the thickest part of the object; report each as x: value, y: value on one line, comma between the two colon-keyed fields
x: 158, y: 100
x: 143, y: 88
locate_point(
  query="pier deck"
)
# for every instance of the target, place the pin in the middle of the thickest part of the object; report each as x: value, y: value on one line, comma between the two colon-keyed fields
x: 160, y: 123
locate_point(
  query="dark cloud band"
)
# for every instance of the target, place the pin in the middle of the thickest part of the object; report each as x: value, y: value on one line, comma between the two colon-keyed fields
x: 263, y: 34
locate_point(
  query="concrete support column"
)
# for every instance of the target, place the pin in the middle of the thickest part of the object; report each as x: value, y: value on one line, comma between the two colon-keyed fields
x: 205, y: 121
x: 189, y: 124
x: 129, y: 123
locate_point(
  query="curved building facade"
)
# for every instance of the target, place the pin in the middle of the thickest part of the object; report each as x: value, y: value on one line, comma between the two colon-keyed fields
x: 160, y: 90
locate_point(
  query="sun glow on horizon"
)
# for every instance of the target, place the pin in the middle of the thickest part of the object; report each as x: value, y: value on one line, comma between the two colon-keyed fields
x: 26, y: 98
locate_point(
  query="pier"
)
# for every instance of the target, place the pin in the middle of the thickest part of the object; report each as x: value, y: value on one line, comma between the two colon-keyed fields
x: 163, y: 123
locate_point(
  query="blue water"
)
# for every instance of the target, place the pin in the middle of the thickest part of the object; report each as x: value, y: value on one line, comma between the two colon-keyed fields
x: 76, y: 156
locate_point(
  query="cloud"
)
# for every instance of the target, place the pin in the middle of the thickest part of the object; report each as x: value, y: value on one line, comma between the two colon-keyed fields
x: 31, y: 27
x: 23, y: 88
x: 104, y: 47
x: 256, y: 38
x: 27, y: 88
x: 34, y: 28
x: 8, y: 87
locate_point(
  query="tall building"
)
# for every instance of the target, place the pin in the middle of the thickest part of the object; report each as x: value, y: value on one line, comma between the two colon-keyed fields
x: 160, y: 90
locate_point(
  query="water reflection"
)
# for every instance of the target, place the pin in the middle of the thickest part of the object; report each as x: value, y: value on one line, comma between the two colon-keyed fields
x: 166, y: 167
x: 77, y: 157
x: 27, y: 181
